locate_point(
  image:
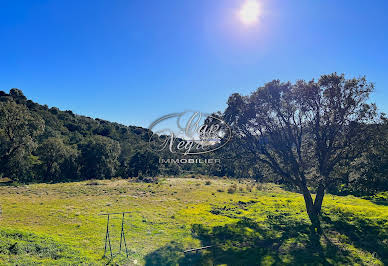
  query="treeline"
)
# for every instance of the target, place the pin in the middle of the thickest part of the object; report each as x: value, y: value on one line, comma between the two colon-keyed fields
x: 41, y: 144
x: 365, y: 175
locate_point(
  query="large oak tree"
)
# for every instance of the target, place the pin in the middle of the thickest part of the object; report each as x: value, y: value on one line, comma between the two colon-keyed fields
x: 303, y: 131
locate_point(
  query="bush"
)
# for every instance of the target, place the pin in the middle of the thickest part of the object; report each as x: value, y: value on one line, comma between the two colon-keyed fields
x: 93, y: 183
x: 147, y: 179
x: 232, y: 189
x: 151, y: 180
x: 208, y: 183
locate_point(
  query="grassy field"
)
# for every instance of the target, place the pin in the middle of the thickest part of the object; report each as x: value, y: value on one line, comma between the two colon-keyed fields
x: 245, y: 223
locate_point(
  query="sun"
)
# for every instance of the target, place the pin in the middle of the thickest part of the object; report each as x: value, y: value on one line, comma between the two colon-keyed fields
x: 250, y: 12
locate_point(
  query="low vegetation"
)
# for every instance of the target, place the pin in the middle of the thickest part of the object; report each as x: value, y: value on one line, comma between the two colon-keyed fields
x: 22, y: 248
x: 267, y: 224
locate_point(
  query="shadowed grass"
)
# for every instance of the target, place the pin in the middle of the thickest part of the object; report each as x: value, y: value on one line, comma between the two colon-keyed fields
x: 22, y: 248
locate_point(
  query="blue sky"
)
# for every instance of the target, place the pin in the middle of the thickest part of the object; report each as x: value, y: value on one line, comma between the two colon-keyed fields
x: 133, y: 61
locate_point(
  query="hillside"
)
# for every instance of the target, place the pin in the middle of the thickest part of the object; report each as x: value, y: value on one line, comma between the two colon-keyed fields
x: 70, y: 125
x: 243, y: 221
x: 74, y: 127
x: 46, y: 144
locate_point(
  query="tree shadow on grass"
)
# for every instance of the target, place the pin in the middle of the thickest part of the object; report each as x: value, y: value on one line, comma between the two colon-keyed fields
x: 364, y: 234
x: 380, y: 202
x: 280, y: 241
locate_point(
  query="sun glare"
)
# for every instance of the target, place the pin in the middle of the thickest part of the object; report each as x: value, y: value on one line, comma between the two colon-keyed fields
x: 250, y: 12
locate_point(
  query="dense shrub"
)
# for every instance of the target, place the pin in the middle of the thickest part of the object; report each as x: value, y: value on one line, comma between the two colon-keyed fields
x: 232, y: 189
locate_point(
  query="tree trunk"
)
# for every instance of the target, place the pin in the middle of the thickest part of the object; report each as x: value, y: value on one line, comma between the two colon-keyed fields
x: 314, y: 207
x: 319, y: 198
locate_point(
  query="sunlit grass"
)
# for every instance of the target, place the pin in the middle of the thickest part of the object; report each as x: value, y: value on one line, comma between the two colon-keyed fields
x: 165, y: 212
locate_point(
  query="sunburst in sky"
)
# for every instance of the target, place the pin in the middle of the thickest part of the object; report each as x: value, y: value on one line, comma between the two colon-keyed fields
x: 249, y: 12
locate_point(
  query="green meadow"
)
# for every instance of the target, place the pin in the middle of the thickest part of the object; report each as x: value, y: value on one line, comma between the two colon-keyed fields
x: 244, y: 222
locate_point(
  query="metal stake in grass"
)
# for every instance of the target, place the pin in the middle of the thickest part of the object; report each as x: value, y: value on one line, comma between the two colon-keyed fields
x: 122, y: 234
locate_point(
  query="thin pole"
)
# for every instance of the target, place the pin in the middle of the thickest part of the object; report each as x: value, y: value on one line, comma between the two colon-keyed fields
x: 121, y: 233
x: 106, y: 235
x: 110, y: 247
x: 125, y: 242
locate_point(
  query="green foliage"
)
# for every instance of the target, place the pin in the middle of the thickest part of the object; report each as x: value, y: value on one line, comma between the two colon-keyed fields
x: 42, y: 144
x: 144, y: 163
x: 57, y: 159
x: 18, y: 131
x: 99, y: 157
